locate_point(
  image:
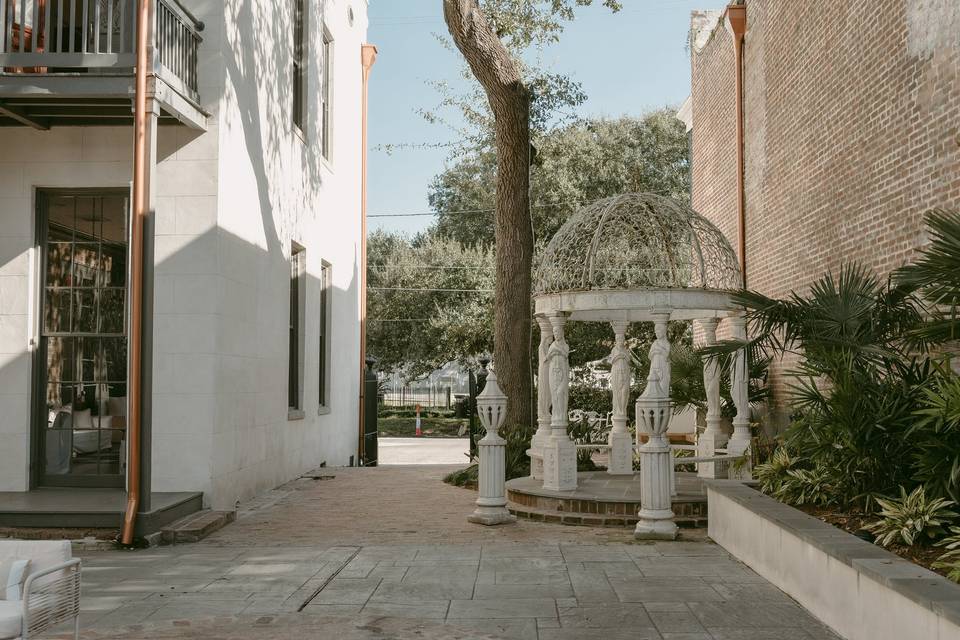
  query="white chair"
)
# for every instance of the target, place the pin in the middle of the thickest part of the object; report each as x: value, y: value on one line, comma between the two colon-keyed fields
x: 51, y: 593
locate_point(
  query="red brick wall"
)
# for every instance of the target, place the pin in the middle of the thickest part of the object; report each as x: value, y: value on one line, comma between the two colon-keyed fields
x: 852, y: 131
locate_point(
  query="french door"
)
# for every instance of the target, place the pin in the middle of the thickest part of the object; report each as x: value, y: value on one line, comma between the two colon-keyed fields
x: 81, y: 359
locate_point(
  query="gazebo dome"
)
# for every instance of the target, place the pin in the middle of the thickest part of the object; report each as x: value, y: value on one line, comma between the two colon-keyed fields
x: 637, y: 241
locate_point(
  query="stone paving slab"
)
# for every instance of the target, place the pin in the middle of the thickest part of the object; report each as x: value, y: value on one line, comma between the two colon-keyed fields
x: 528, y: 581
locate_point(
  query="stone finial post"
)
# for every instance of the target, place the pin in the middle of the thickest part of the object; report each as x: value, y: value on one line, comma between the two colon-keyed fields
x: 739, y: 443
x: 559, y: 454
x: 542, y: 436
x: 621, y: 444
x: 713, y: 437
x: 654, y: 410
x: 492, y: 503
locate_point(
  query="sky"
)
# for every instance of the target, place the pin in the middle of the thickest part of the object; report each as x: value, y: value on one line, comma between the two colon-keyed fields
x: 628, y: 63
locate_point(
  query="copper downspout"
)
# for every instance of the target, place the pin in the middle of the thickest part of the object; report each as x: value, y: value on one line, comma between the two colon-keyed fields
x: 140, y: 159
x: 368, y: 55
x: 737, y: 16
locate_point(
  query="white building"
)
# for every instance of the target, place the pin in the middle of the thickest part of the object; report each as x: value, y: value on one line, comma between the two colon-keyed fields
x: 256, y: 245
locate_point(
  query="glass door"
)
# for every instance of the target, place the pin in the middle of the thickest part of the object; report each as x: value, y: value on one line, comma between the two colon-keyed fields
x: 82, y: 354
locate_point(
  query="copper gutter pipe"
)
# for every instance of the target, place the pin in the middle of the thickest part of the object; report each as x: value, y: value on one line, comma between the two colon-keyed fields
x: 368, y: 55
x: 737, y: 21
x: 139, y: 213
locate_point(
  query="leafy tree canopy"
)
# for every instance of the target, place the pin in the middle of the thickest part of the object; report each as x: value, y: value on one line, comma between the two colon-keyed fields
x: 574, y: 164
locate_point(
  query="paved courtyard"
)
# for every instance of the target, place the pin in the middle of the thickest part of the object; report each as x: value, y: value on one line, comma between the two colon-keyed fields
x: 387, y: 553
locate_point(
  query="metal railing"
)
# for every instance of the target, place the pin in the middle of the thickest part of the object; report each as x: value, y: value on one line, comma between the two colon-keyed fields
x: 96, y: 36
x: 178, y: 43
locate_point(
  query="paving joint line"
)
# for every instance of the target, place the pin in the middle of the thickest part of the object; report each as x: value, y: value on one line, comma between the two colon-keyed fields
x: 329, y: 579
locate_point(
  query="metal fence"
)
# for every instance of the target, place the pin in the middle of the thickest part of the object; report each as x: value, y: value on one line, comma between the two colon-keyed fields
x: 441, y: 398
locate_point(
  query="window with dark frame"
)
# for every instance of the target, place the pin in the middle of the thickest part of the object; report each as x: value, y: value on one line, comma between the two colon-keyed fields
x: 299, y: 114
x: 326, y: 85
x: 324, y: 361
x: 295, y: 362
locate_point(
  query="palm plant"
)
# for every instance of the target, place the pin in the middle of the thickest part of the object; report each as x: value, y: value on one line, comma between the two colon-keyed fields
x: 937, y: 276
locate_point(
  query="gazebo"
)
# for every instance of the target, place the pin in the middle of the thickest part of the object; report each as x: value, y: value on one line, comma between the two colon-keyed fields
x: 636, y: 257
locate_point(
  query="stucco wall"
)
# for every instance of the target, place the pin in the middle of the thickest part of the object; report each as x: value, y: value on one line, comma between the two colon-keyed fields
x: 230, y: 200
x: 852, y: 131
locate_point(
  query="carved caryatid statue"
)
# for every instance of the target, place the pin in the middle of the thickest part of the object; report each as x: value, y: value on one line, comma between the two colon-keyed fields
x: 558, y: 356
x: 620, y: 376
x: 658, y: 380
x: 543, y: 372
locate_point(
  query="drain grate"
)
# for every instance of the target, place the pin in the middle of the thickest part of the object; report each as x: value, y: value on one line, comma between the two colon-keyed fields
x: 329, y: 580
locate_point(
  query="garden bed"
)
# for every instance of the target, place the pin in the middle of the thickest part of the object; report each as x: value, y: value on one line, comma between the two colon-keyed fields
x: 858, y: 588
x: 854, y: 523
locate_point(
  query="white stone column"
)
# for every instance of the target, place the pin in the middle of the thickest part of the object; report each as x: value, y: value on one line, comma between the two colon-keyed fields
x: 542, y: 436
x: 492, y: 501
x: 559, y: 454
x: 654, y: 410
x: 621, y: 444
x: 739, y: 443
x: 713, y: 437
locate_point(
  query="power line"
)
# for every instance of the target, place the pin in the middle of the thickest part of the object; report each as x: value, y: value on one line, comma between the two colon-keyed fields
x: 465, y: 211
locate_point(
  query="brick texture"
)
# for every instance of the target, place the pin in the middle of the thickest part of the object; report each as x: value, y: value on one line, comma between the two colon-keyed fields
x: 852, y: 132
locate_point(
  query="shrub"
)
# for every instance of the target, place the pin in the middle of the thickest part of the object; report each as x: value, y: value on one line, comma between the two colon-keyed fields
x: 936, y: 437
x: 912, y: 518
x: 772, y: 473
x: 951, y: 559
x: 807, y: 486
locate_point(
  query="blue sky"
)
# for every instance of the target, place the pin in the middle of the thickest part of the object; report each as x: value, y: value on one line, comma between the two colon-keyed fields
x: 627, y: 62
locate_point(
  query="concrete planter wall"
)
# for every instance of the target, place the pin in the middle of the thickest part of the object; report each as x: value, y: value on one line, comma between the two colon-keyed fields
x: 860, y: 590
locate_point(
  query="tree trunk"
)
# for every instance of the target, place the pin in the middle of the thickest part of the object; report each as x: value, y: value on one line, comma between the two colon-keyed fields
x: 509, y: 99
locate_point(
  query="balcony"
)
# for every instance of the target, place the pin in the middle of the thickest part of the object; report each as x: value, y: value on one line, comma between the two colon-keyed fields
x: 71, y: 63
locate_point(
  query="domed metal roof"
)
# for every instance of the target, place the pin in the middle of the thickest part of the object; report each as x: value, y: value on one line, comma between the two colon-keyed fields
x: 637, y: 241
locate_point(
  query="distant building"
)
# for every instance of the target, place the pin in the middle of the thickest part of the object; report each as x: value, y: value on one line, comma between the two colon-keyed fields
x: 851, y: 131
x: 256, y: 245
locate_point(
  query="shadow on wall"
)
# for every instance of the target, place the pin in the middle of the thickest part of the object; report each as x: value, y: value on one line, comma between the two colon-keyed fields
x: 259, y: 86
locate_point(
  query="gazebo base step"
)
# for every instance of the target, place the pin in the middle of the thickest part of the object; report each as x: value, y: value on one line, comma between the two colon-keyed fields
x: 602, y: 500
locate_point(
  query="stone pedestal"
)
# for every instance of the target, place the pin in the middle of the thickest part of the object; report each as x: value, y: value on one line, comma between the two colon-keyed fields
x: 621, y: 451
x: 656, y: 468
x: 560, y: 464
x: 492, y: 503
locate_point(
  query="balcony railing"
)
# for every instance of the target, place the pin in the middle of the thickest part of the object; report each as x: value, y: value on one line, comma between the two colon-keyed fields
x: 97, y: 37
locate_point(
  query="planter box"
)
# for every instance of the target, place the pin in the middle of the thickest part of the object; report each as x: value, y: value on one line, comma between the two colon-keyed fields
x: 859, y: 589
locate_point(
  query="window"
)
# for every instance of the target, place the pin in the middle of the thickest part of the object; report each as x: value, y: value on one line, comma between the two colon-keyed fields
x: 298, y: 264
x: 324, y: 360
x: 299, y: 114
x: 326, y: 87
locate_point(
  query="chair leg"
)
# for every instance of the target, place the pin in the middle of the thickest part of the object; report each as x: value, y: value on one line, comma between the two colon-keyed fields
x: 76, y: 627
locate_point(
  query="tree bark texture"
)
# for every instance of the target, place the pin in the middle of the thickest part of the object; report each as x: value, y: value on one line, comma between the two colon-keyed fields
x: 509, y: 99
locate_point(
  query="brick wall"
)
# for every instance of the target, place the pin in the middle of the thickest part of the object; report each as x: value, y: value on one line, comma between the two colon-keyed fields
x: 852, y: 131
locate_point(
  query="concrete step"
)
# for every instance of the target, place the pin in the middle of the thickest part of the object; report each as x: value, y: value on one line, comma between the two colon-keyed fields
x: 196, y: 526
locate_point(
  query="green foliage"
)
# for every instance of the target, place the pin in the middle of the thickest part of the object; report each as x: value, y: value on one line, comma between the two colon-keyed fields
x: 951, y: 559
x: 937, y: 276
x: 574, y: 164
x: 772, y: 473
x: 417, y: 331
x: 814, y: 486
x: 935, y: 436
x: 911, y: 518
